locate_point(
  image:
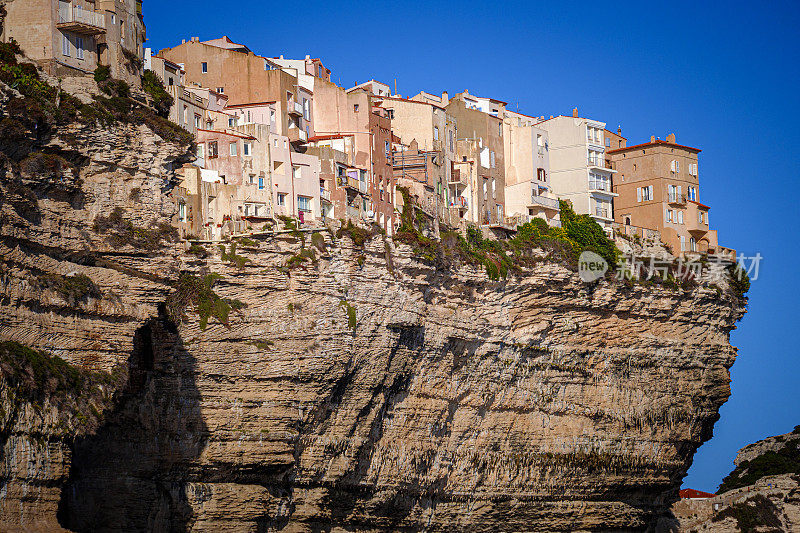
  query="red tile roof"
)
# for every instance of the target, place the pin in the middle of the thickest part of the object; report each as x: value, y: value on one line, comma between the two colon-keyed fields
x: 692, y: 493
x: 699, y: 204
x: 656, y: 143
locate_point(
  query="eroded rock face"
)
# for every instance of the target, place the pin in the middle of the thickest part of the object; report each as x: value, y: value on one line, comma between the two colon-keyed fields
x: 454, y: 403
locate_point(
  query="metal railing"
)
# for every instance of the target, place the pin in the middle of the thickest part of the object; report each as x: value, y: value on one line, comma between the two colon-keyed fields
x: 630, y: 231
x: 459, y: 202
x: 599, y: 185
x: 325, y: 194
x: 552, y: 203
x: 676, y: 198
x: 71, y: 13
x: 601, y: 212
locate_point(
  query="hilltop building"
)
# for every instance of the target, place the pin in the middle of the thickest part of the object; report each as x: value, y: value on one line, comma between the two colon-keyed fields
x: 578, y: 170
x: 658, y: 187
x: 75, y: 37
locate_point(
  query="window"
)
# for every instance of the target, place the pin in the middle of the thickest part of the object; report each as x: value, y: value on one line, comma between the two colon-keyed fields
x: 675, y: 166
x: 390, y: 114
x: 644, y: 194
x: 451, y: 140
x: 185, y: 115
x: 182, y: 211
x: 275, y: 142
x: 680, y: 217
x: 65, y: 44
x: 693, y: 244
x: 198, y: 121
x: 485, y: 187
x: 388, y: 148
x: 306, y: 109
x: 598, y: 182
x: 304, y: 203
x: 435, y: 133
x: 683, y: 243
x: 494, y: 189
x: 355, y: 108
x: 231, y: 122
x: 171, y: 81
x: 213, y: 150
x: 221, y: 90
x: 491, y: 158
x: 692, y: 191
x: 79, y: 47
x: 205, y: 67
x: 201, y: 149
x: 234, y: 149
x: 252, y: 179
x: 608, y: 142
x: 500, y: 129
x: 541, y: 174
x: 260, y: 183
x: 247, y: 149
x: 281, y: 198
x: 670, y: 215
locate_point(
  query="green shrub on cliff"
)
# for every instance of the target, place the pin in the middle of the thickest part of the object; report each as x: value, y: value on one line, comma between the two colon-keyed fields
x: 120, y: 231
x: 198, y: 293
x: 72, y: 289
x: 752, y: 514
x: 35, y: 376
x: 785, y: 460
x: 162, y: 100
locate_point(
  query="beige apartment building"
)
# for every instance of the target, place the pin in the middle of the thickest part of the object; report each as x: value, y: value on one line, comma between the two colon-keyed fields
x: 74, y: 37
x: 245, y: 78
x: 528, y: 193
x: 658, y: 187
x: 423, y: 154
x: 578, y: 170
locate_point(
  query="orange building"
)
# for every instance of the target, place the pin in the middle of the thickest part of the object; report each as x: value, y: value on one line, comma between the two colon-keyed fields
x: 659, y: 188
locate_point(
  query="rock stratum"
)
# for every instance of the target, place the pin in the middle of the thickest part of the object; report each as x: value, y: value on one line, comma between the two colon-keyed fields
x: 369, y: 391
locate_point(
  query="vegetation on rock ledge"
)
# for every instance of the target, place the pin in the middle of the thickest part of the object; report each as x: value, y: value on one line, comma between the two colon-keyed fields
x: 198, y: 293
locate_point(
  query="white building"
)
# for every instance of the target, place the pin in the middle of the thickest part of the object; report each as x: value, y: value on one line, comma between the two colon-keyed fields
x: 578, y: 170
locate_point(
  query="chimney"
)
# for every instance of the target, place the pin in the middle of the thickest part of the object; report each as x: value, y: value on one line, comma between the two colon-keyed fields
x: 183, y: 41
x: 445, y: 98
x: 281, y: 57
x: 308, y: 57
x: 671, y: 138
x: 551, y: 116
x: 195, y: 39
x: 652, y: 138
x: 575, y: 112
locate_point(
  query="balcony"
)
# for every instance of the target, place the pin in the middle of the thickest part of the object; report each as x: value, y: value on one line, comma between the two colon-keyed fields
x: 599, y: 163
x: 458, y: 202
x: 78, y: 20
x: 348, y: 182
x: 602, y: 212
x: 457, y: 178
x: 325, y: 194
x: 296, y: 135
x: 295, y: 108
x: 676, y: 199
x: 543, y: 201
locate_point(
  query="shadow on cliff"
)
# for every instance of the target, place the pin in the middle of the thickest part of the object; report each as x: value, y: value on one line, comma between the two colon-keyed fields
x: 130, y: 475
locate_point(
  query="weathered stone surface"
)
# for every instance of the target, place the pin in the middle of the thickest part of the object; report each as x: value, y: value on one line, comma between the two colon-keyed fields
x: 455, y: 404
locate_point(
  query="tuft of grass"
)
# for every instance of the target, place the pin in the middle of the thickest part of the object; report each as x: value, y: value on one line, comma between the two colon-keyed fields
x: 198, y: 293
x: 230, y: 257
x: 262, y: 344
x: 120, y: 231
x: 351, y: 314
x: 72, y: 289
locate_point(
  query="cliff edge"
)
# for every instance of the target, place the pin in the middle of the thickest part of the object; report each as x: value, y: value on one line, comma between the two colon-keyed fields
x: 362, y: 389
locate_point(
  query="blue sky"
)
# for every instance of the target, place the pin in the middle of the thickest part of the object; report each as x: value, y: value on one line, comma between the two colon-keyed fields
x: 722, y: 76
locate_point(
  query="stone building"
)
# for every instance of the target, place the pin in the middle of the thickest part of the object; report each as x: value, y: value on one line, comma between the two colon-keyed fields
x: 658, y: 187
x: 74, y: 37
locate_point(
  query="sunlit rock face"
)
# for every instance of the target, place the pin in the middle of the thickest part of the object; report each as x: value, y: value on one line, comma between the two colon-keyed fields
x: 367, y: 391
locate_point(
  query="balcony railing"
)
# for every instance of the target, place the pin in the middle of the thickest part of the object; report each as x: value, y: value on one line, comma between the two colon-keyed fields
x: 295, y: 108
x: 600, y: 163
x: 595, y: 185
x: 325, y: 194
x: 543, y: 201
x: 297, y: 135
x: 79, y: 20
x: 602, y: 212
x: 677, y: 199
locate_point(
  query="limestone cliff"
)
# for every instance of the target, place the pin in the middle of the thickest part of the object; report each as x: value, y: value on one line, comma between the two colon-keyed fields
x: 367, y: 391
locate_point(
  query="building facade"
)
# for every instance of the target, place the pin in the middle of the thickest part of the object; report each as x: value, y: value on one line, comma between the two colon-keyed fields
x: 75, y: 37
x: 528, y: 193
x: 578, y: 169
x: 658, y: 187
